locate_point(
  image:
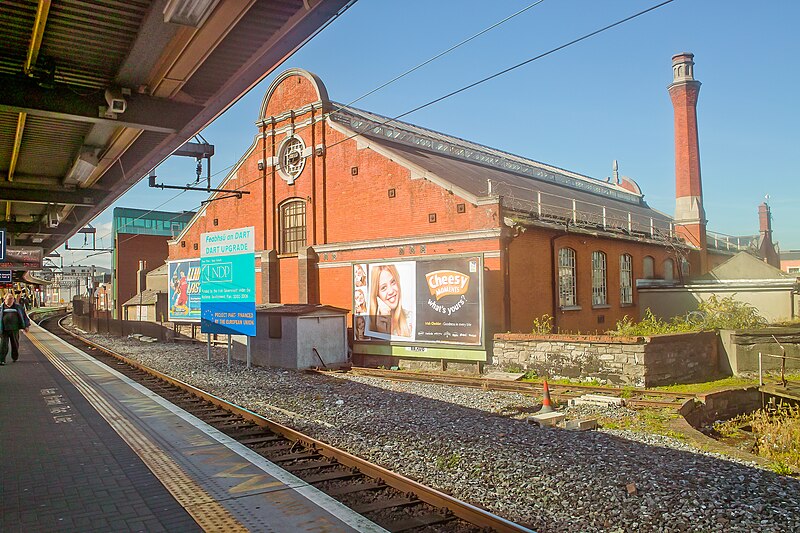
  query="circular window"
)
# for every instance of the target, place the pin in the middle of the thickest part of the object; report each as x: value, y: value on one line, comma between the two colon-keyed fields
x: 291, y: 158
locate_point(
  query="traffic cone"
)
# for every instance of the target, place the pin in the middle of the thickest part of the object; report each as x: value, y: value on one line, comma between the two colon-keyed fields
x: 547, y: 405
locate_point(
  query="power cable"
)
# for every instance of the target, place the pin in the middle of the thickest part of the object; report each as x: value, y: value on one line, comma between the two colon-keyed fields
x: 514, y: 67
x: 483, y: 80
x: 500, y: 73
x: 437, y: 56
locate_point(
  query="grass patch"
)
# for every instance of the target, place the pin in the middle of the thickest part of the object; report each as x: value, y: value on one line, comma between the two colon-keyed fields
x: 776, y: 432
x: 724, y: 383
x: 710, y: 386
x: 646, y: 421
x: 778, y: 435
x: 448, y: 462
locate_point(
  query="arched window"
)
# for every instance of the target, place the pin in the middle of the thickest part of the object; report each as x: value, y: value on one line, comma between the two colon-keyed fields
x: 566, y: 277
x: 625, y: 279
x: 669, y: 269
x: 293, y: 226
x: 648, y: 267
x: 599, y: 293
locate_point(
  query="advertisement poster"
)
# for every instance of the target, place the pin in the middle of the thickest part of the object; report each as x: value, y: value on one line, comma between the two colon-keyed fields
x: 184, y: 290
x: 430, y: 301
x: 228, y: 282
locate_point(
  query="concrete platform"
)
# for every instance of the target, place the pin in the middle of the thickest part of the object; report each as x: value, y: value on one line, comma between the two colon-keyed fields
x: 83, y: 448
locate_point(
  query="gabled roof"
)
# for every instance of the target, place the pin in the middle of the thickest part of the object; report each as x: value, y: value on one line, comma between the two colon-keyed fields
x: 744, y: 266
x: 298, y: 309
x: 525, y: 185
x: 146, y: 297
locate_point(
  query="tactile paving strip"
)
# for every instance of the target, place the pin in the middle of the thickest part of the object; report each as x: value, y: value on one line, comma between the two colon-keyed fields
x: 208, y: 514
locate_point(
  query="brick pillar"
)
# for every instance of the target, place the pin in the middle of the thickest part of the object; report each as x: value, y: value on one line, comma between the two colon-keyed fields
x: 270, y: 277
x: 308, y: 276
x: 690, y: 217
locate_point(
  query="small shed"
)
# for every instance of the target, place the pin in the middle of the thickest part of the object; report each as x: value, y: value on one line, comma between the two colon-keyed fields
x: 300, y: 336
x: 147, y: 306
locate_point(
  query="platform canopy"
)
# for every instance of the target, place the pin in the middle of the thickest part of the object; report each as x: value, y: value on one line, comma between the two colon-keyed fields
x: 95, y: 93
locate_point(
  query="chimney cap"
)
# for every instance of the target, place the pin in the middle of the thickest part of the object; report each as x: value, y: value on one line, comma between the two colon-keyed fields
x: 687, y: 55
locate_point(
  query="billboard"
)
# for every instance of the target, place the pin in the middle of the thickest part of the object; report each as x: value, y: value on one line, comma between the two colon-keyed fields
x: 23, y: 258
x: 426, y: 301
x: 228, y: 282
x: 184, y: 290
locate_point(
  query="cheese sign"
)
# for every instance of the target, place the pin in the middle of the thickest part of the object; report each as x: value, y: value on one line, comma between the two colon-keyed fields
x: 447, y: 283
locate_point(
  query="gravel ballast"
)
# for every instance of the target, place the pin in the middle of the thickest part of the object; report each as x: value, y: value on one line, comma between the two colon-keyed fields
x: 477, y: 446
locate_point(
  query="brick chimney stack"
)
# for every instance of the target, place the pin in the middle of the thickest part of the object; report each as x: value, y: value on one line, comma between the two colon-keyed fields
x: 764, y: 220
x: 766, y: 247
x: 690, y: 217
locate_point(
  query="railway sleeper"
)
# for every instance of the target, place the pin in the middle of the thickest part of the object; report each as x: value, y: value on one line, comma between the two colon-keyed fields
x: 254, y: 441
x: 338, y: 475
x: 295, y: 456
x: 310, y: 466
x: 414, y: 522
x: 380, y: 505
x: 344, y: 490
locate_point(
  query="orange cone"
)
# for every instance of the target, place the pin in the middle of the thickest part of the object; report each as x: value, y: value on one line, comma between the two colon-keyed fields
x: 547, y: 405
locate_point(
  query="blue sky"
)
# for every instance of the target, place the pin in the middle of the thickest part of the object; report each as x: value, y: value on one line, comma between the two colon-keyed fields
x: 580, y: 108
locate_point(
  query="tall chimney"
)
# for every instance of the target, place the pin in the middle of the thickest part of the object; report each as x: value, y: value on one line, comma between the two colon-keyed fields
x: 141, y: 277
x: 766, y: 247
x: 690, y: 217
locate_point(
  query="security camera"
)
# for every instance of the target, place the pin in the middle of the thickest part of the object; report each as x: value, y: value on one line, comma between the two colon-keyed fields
x: 116, y: 101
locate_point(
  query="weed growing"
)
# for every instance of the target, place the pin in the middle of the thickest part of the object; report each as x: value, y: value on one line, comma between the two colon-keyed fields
x: 448, y: 462
x: 712, y: 314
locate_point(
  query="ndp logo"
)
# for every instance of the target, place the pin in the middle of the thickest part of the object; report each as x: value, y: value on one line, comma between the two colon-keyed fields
x: 218, y: 273
x: 447, y: 283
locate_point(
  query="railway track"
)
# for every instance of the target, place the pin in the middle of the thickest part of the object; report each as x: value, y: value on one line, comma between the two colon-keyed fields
x: 396, y: 503
x: 640, y: 398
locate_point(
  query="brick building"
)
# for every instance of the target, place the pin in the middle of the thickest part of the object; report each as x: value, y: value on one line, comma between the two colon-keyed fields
x: 140, y: 235
x: 336, y: 191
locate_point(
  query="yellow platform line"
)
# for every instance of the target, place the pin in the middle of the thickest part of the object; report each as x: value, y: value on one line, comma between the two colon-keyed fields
x: 206, y: 511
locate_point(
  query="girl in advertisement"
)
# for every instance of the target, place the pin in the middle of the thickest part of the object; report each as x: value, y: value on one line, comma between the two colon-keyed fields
x: 385, y: 302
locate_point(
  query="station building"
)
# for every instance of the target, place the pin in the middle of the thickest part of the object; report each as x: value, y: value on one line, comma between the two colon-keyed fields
x: 336, y: 192
x: 140, y: 236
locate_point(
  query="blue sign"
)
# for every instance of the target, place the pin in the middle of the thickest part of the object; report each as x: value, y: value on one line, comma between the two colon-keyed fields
x: 228, y: 282
x: 5, y: 276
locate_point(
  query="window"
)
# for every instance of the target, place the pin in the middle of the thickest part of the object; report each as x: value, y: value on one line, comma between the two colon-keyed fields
x: 566, y: 277
x: 293, y: 226
x: 794, y: 270
x: 599, y: 295
x: 669, y: 270
x: 625, y: 279
x: 648, y: 267
x: 685, y: 268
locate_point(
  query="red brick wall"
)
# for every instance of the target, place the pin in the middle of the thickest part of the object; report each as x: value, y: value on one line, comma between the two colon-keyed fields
x: 340, y: 206
x: 532, y: 279
x: 343, y: 206
x: 131, y: 249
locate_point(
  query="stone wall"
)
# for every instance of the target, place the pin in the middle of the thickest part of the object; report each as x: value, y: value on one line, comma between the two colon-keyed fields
x: 635, y: 361
x: 741, y: 349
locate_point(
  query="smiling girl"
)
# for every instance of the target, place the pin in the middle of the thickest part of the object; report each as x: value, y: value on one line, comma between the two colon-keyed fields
x: 385, y: 302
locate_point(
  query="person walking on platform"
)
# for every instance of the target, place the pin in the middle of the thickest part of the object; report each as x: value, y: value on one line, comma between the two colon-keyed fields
x: 14, y: 318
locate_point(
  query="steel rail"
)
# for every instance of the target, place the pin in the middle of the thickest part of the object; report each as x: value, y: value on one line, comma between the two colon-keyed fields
x: 522, y: 387
x: 468, y: 512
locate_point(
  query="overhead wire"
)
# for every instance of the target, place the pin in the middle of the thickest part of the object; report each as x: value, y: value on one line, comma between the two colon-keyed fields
x: 492, y: 76
x: 480, y: 81
x: 380, y: 87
